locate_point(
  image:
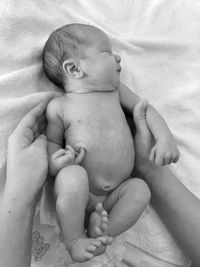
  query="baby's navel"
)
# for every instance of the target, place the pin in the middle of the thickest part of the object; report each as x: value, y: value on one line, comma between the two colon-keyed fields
x: 107, y: 187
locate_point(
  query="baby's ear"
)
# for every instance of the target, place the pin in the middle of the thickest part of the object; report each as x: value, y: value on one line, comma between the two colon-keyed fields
x: 72, y: 69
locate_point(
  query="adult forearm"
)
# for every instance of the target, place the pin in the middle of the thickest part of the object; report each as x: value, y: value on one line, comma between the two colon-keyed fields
x: 15, y: 233
x: 179, y: 210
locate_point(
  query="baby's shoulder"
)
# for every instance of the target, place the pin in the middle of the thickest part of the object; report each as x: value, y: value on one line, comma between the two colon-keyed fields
x: 57, y: 102
x: 55, y: 106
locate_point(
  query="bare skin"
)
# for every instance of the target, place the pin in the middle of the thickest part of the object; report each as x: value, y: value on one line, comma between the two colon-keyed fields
x: 15, y: 237
x: 90, y: 119
x: 98, y: 222
x: 84, y: 248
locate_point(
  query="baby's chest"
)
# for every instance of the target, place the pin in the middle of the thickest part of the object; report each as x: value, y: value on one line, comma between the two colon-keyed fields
x: 96, y: 125
x: 98, y: 121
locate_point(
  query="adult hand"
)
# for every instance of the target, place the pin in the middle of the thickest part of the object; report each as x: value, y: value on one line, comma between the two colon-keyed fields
x: 27, y: 158
x: 143, y: 139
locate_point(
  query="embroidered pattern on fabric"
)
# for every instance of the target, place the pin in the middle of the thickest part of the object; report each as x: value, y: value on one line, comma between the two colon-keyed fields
x: 38, y: 246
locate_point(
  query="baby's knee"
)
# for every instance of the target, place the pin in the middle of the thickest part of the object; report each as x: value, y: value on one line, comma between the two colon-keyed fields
x: 71, y: 179
x: 137, y: 190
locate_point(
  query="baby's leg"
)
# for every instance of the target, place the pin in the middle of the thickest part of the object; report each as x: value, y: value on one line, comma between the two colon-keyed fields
x: 72, y: 193
x: 125, y: 205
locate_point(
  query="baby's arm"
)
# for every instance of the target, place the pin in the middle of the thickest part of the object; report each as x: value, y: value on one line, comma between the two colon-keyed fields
x: 58, y: 157
x: 164, y: 151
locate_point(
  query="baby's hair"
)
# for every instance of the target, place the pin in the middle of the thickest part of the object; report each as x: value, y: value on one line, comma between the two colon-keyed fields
x: 61, y: 45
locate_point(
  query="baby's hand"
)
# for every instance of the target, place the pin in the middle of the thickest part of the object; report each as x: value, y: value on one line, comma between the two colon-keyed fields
x: 61, y: 159
x: 164, y: 152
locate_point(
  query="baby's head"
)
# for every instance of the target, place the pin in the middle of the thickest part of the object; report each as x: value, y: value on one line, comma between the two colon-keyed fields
x: 78, y: 51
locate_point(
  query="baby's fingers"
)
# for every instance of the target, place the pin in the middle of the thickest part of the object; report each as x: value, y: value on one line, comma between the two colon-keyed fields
x: 159, y: 159
x: 58, y: 153
x: 172, y: 158
x: 176, y: 156
x: 166, y: 160
x: 175, y: 159
x: 152, y: 154
x: 65, y: 160
x: 69, y: 148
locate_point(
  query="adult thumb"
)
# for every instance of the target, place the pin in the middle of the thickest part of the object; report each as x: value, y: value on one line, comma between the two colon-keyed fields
x: 139, y: 115
x: 41, y: 141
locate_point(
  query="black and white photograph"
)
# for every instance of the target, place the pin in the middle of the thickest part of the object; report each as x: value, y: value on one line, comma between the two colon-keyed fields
x: 100, y: 133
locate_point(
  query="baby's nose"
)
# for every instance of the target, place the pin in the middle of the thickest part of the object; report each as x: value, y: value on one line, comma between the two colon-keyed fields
x: 117, y: 58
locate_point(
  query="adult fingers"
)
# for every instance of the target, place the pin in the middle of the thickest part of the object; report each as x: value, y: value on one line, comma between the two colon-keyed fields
x: 40, y: 122
x: 41, y: 141
x: 27, y: 123
x: 29, y: 120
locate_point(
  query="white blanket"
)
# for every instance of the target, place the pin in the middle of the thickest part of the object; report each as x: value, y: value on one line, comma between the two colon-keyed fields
x: 159, y: 42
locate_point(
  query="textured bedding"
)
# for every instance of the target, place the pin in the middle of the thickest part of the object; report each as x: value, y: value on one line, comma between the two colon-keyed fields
x: 159, y: 43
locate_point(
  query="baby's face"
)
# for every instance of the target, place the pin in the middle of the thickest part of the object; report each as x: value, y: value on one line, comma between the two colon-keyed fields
x: 98, y: 61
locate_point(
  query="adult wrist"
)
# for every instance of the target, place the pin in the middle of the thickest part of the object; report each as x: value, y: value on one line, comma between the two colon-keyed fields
x: 151, y: 173
x: 19, y: 205
x: 158, y: 181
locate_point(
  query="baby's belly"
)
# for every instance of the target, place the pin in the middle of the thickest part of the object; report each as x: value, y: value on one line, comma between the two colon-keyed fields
x: 106, y: 137
x: 109, y: 158
x: 108, y: 169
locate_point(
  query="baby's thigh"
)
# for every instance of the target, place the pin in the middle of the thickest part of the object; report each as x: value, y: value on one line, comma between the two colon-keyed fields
x: 132, y: 192
x: 71, y: 180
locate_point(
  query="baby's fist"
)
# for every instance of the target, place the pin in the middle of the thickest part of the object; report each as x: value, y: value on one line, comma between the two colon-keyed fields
x: 60, y: 159
x: 164, y: 152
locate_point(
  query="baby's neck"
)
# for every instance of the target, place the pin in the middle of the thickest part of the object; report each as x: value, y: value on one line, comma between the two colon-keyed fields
x: 89, y: 88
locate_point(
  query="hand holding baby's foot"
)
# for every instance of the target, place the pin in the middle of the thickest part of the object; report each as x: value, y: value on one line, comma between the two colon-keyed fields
x: 98, y: 222
x: 164, y: 152
x: 84, y: 249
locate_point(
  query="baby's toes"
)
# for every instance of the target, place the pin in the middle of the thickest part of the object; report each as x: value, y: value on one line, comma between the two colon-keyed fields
x: 99, y: 208
x: 88, y: 255
x: 104, y: 239
x: 91, y: 248
x: 96, y: 243
x: 104, y: 214
x: 105, y: 228
x: 98, y: 231
x: 104, y: 222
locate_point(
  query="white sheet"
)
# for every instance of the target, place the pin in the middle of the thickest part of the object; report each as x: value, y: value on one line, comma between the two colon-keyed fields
x: 159, y: 42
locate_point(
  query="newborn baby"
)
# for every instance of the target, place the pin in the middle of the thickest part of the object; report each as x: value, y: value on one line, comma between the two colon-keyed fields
x: 88, y: 136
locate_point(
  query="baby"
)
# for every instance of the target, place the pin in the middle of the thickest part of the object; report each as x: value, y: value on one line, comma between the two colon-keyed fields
x: 87, y: 127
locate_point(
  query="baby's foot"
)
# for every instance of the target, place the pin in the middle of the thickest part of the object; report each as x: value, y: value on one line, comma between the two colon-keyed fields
x: 98, y: 222
x: 84, y: 249
x: 98, y: 227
